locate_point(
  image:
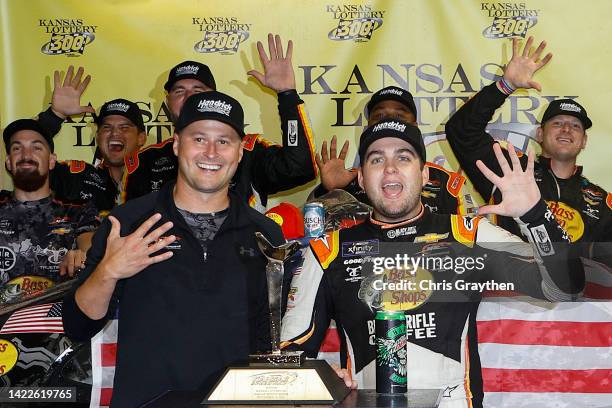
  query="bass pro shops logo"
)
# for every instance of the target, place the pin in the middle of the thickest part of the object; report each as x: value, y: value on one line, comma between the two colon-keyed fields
x: 356, y: 22
x: 221, y: 34
x: 68, y: 36
x: 509, y: 19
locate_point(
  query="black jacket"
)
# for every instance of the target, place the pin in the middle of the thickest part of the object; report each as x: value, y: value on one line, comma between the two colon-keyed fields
x: 182, y: 321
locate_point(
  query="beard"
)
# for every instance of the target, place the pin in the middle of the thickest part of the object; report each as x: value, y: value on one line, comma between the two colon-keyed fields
x: 29, y: 180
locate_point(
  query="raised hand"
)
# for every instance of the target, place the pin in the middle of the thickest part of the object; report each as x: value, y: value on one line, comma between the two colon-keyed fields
x: 278, y: 69
x: 126, y: 256
x: 66, y: 98
x: 519, y: 190
x: 331, y: 166
x: 523, y: 65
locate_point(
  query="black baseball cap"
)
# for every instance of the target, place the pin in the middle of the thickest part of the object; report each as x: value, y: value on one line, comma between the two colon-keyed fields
x: 124, y: 108
x: 26, y: 124
x: 211, y: 105
x: 567, y: 107
x: 193, y: 70
x: 392, y: 128
x: 392, y: 93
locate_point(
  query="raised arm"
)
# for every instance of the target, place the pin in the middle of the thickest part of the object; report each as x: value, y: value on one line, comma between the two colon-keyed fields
x: 277, y: 168
x: 465, y: 130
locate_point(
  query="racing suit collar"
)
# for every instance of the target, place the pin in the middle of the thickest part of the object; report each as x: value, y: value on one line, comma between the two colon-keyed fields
x: 32, y: 203
x: 384, y: 225
x: 545, y: 162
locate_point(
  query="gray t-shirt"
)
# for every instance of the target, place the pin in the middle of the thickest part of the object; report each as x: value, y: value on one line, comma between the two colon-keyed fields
x: 204, y: 226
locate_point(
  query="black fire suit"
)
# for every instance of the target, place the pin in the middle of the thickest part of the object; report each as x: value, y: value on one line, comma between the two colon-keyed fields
x: 581, y: 207
x: 338, y: 281
x: 265, y: 168
x: 76, y: 181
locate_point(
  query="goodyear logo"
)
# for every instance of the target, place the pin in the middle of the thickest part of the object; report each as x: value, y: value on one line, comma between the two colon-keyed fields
x: 356, y: 22
x: 221, y: 34
x: 67, y: 36
x: 509, y: 19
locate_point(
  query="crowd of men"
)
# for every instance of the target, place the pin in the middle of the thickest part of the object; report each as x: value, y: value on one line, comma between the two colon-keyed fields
x: 175, y: 252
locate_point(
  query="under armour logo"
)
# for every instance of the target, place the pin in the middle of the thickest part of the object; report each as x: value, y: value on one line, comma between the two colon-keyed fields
x: 245, y: 251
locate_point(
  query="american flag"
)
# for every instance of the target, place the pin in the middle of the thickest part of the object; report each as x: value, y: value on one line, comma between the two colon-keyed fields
x: 45, y: 318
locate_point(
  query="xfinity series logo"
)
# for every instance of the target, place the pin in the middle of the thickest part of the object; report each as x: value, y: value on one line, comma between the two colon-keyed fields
x: 509, y: 19
x: 360, y: 248
x: 221, y: 34
x: 356, y: 22
x: 67, y: 36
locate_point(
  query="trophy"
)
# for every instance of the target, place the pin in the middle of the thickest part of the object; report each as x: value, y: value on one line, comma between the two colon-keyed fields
x: 279, y: 376
x: 275, y: 271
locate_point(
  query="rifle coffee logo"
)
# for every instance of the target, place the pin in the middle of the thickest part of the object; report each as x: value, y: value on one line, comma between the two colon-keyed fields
x: 221, y: 34
x: 509, y: 19
x: 68, y: 36
x: 356, y: 22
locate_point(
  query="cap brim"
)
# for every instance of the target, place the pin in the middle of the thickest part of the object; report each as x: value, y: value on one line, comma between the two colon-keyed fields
x: 389, y: 97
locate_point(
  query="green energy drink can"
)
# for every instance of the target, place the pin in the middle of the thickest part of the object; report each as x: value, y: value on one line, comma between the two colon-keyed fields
x: 390, y: 329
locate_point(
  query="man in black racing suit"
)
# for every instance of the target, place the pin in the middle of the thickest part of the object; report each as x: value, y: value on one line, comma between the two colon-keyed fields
x: 343, y: 277
x: 580, y: 206
x: 443, y: 191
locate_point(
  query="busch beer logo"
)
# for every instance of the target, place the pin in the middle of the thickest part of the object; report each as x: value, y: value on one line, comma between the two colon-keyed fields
x: 356, y: 22
x: 389, y: 125
x: 215, y: 106
x: 68, y: 36
x: 221, y: 34
x: 509, y: 19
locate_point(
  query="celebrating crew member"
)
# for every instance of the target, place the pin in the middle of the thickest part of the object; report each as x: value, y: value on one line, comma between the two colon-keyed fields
x: 37, y: 231
x: 120, y: 131
x: 340, y: 280
x: 214, y: 283
x: 442, y: 193
x: 581, y: 207
x: 265, y: 168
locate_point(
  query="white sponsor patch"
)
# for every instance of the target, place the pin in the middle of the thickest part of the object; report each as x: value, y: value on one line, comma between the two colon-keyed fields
x: 292, y: 132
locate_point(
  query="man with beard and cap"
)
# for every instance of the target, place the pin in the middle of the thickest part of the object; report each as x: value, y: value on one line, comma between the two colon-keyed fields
x: 36, y: 229
x: 181, y: 261
x: 441, y: 194
x: 266, y: 168
x: 410, y: 260
x: 582, y: 208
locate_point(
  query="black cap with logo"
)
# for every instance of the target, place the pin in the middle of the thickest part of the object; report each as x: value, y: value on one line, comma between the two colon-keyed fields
x: 392, y: 128
x: 567, y: 107
x: 193, y: 70
x: 26, y: 124
x: 124, y: 108
x: 392, y: 93
x: 211, y: 105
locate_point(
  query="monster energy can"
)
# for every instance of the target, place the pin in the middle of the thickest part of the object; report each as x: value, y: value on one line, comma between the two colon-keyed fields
x: 391, y: 352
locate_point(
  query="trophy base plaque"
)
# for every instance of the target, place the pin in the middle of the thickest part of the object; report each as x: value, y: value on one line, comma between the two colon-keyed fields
x: 314, y: 382
x: 284, y: 359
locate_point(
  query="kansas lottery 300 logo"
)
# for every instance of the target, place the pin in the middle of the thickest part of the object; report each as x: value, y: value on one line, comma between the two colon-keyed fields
x: 508, y: 19
x: 356, y: 22
x: 68, y: 36
x: 221, y: 34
